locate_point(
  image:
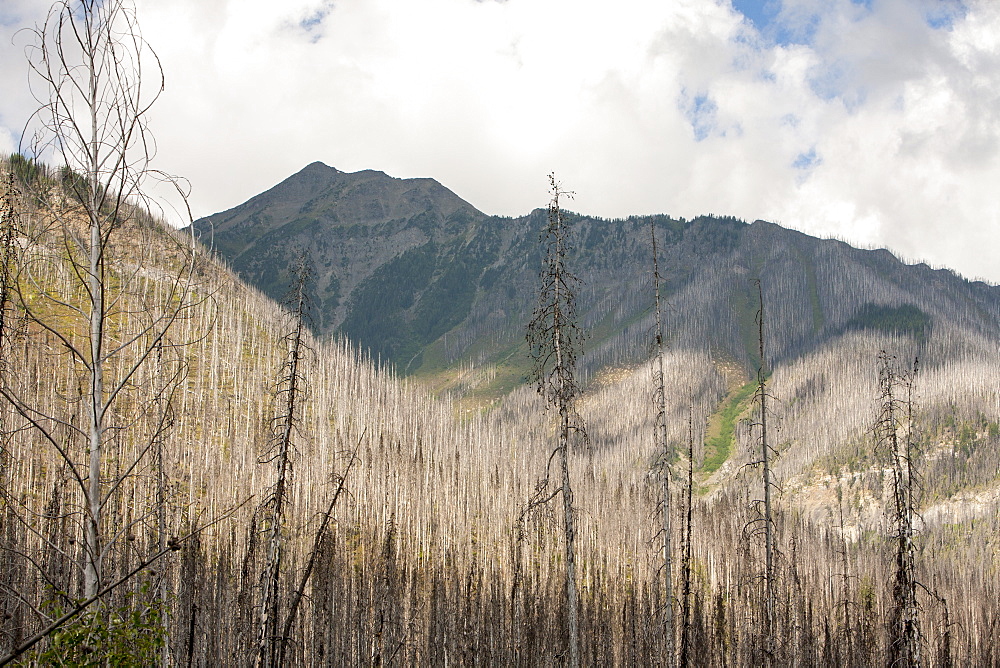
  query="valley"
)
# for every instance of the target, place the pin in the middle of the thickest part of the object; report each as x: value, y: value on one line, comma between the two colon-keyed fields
x: 414, y: 395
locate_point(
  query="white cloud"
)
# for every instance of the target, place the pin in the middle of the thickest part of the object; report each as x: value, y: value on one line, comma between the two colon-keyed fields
x: 878, y: 127
x: 7, y: 144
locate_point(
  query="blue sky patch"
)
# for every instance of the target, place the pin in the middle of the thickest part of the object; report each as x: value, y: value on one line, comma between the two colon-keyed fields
x: 807, y: 160
x: 313, y: 23
x: 944, y: 14
x: 767, y: 18
x: 700, y: 113
x: 760, y: 12
x: 788, y: 28
x: 8, y: 19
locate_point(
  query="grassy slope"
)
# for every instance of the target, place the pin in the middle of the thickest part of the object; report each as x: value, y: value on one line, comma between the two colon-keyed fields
x: 720, y: 437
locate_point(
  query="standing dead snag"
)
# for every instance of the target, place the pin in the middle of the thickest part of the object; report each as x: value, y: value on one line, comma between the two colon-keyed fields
x: 9, y: 218
x: 290, y: 388
x: 895, y: 438
x: 9, y: 221
x: 104, y: 283
x: 554, y: 338
x: 662, y: 444
x: 10, y: 213
x: 299, y: 592
x: 764, y: 523
x: 847, y: 641
x: 686, y: 556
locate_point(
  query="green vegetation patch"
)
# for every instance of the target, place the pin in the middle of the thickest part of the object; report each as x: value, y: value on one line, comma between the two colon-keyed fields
x: 376, y: 318
x: 817, y: 309
x: 722, y: 427
x: 746, y: 305
x: 906, y: 319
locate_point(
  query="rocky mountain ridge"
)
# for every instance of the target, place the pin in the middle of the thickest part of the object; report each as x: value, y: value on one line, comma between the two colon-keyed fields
x: 419, y: 277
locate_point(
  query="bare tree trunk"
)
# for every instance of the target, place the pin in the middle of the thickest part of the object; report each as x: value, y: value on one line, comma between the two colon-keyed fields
x: 572, y: 605
x: 95, y: 398
x: 767, y: 481
x: 665, y: 457
x: 161, y: 501
x: 9, y: 216
x: 686, y: 557
x: 553, y: 338
x: 895, y: 435
x: 10, y: 212
x: 848, y: 641
x: 269, y: 643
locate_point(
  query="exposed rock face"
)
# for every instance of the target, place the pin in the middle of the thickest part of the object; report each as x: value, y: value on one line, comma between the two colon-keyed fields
x: 421, y: 278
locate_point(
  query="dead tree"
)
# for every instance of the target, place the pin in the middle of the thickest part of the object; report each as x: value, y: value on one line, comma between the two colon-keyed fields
x: 686, y: 565
x: 85, y: 280
x: 270, y: 644
x: 895, y: 438
x: 9, y: 222
x: 10, y: 580
x: 763, y: 523
x: 847, y: 641
x: 554, y: 339
x: 94, y: 120
x: 666, y: 454
x: 10, y: 214
x: 325, y: 519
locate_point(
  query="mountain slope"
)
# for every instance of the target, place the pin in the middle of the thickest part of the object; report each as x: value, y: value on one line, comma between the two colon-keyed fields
x: 431, y: 558
x: 373, y: 242
x: 409, y: 271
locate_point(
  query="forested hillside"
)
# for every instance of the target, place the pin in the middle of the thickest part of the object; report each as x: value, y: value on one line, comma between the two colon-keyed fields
x: 407, y: 270
x: 742, y: 446
x: 429, y: 558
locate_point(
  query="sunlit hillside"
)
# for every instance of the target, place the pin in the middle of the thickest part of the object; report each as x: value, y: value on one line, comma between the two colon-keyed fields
x: 430, y: 557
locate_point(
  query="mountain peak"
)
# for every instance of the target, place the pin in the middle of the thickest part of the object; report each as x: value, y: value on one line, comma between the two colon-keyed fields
x: 405, y: 266
x: 366, y: 218
x: 318, y: 167
x: 324, y: 194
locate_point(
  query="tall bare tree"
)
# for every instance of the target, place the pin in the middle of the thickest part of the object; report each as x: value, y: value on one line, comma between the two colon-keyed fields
x: 686, y: 566
x: 290, y: 393
x: 666, y: 455
x: 10, y: 209
x: 763, y: 524
x: 554, y: 338
x: 86, y: 277
x: 895, y: 438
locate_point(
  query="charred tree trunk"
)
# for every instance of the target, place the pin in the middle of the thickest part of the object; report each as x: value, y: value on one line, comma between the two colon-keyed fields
x: 269, y: 643
x: 686, y: 565
x: 553, y: 336
x: 895, y: 437
x: 660, y: 399
x: 763, y: 524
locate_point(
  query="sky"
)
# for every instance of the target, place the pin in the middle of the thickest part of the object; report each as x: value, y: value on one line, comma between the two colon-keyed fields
x: 873, y: 121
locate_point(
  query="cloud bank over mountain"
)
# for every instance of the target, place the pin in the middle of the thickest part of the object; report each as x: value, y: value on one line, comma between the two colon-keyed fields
x: 875, y: 121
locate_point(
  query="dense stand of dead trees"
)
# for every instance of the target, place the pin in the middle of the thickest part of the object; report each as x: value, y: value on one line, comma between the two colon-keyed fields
x: 132, y: 411
x: 409, y: 567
